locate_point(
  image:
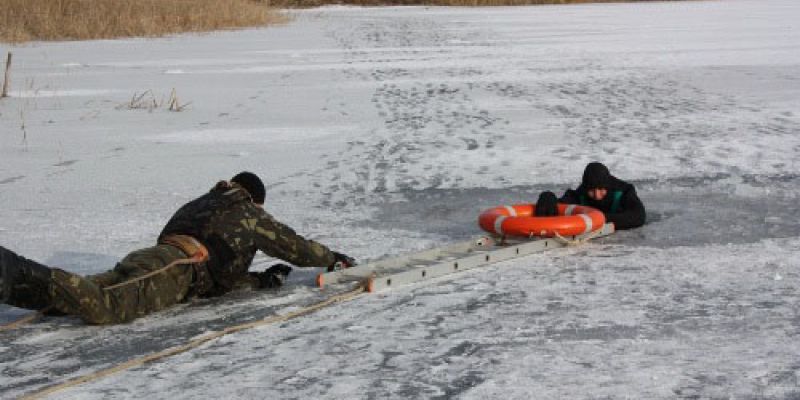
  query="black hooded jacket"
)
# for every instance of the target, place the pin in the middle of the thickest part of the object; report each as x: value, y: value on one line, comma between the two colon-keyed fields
x: 621, y: 205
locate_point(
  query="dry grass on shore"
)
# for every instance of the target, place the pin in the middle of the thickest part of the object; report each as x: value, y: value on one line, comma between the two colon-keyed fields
x: 25, y: 20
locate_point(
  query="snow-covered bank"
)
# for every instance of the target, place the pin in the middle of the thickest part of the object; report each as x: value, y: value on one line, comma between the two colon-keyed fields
x: 385, y: 130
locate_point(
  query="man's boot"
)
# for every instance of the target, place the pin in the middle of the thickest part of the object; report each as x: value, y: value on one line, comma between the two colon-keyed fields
x: 24, y: 283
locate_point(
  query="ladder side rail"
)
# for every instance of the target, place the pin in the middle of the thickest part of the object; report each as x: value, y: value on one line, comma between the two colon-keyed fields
x: 412, y: 266
x: 463, y: 264
x: 366, y: 270
x: 378, y: 283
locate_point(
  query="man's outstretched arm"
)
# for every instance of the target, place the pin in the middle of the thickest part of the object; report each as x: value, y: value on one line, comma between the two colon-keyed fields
x: 280, y: 241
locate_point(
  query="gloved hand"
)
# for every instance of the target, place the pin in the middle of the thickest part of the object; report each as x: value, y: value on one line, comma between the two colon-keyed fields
x: 273, y: 277
x: 547, y: 205
x: 342, y: 261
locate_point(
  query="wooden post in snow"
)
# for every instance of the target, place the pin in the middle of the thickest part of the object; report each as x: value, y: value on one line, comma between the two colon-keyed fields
x: 7, y: 75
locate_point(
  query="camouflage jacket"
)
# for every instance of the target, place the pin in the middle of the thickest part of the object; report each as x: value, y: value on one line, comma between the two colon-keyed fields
x: 234, y: 228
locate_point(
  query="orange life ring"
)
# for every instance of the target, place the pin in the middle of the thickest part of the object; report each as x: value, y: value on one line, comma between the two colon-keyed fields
x: 518, y: 220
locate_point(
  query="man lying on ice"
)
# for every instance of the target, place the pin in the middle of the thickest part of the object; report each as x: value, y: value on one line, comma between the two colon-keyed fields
x: 205, y: 250
x: 599, y: 189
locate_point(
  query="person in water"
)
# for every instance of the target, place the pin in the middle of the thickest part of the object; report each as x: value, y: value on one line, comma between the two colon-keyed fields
x: 615, y: 198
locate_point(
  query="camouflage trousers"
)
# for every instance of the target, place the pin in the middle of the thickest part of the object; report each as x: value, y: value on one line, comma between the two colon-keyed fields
x: 93, y: 300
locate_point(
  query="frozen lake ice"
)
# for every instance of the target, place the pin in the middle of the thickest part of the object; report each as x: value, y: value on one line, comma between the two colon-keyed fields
x: 380, y: 131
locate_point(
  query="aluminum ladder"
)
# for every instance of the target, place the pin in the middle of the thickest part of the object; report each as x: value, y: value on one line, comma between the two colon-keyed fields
x: 428, y: 264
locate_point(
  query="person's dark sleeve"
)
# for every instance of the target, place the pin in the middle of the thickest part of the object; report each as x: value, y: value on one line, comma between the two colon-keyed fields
x: 570, y: 197
x: 633, y: 214
x: 280, y: 241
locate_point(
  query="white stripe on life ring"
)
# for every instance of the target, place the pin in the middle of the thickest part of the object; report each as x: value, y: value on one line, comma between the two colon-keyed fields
x: 511, y: 211
x: 498, y: 225
x: 570, y: 209
x: 587, y: 221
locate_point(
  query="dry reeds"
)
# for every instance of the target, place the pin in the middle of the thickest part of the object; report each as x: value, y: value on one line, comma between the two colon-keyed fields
x: 25, y: 20
x: 6, y: 76
x: 148, y: 100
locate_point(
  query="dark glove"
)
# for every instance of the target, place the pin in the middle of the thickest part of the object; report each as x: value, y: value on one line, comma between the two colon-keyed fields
x: 547, y: 205
x: 341, y: 262
x: 273, y: 277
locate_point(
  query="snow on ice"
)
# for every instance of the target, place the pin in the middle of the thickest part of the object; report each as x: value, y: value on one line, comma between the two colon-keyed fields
x: 381, y: 131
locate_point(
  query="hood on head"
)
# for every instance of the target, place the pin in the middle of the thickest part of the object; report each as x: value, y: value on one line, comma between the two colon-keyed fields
x: 595, y: 176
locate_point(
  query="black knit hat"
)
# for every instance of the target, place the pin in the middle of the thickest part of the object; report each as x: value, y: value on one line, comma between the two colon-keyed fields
x: 252, y: 183
x: 595, y: 176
